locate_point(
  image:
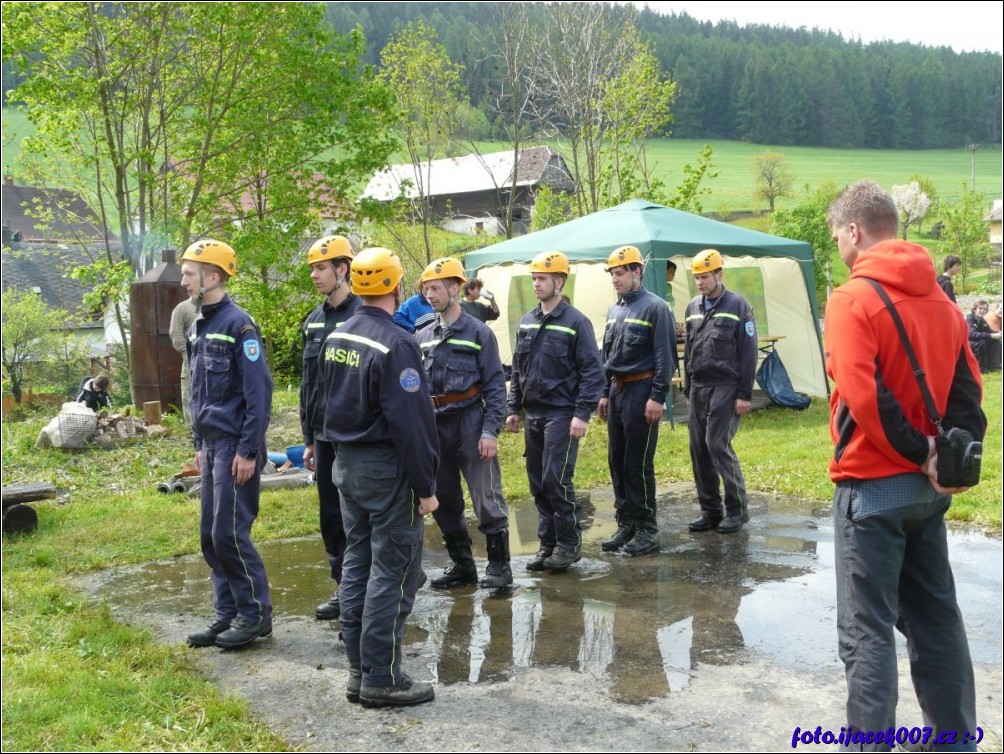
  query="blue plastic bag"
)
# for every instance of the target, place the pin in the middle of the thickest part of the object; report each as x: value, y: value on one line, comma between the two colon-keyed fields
x: 773, y: 379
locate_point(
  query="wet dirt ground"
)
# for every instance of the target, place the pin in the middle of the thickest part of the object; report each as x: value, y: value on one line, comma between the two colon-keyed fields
x: 718, y: 643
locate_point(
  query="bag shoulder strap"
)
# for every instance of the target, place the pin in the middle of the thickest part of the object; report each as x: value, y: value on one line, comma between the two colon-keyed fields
x: 917, y: 371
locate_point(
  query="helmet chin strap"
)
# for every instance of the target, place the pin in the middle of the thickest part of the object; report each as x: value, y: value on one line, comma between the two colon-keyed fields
x: 203, y: 290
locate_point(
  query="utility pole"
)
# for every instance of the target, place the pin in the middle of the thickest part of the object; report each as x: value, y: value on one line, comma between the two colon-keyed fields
x: 974, y: 148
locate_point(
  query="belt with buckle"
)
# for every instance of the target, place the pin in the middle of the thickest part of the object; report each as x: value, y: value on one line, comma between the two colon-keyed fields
x: 622, y: 380
x: 438, y: 401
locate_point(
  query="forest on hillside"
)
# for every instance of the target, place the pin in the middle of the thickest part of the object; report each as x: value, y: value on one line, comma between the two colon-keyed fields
x: 760, y: 84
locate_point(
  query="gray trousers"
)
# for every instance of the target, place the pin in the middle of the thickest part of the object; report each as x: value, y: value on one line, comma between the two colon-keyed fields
x: 712, y: 424
x: 383, y: 558
x: 459, y: 434
x: 892, y: 568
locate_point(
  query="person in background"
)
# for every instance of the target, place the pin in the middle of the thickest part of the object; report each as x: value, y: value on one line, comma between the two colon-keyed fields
x: 670, y: 277
x: 182, y: 318
x: 414, y: 313
x: 986, y: 343
x: 231, y: 409
x: 94, y: 393
x: 993, y: 317
x: 557, y: 378
x: 951, y: 265
x: 889, y: 540
x: 329, y: 260
x: 471, y: 305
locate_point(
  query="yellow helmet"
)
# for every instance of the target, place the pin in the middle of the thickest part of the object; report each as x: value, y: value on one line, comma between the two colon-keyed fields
x: 328, y: 249
x: 376, y: 272
x: 708, y: 260
x: 209, y: 251
x: 624, y: 255
x: 443, y: 269
x: 550, y: 261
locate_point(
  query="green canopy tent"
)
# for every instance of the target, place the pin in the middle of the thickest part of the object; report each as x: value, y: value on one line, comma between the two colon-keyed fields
x: 775, y: 274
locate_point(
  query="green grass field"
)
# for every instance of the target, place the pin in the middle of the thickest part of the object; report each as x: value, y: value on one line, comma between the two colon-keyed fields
x: 732, y: 190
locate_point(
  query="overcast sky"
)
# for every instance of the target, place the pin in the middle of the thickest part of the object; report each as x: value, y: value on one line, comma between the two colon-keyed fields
x: 959, y: 25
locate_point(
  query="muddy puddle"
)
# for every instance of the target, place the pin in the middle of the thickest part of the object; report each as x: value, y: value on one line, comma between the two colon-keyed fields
x: 641, y: 626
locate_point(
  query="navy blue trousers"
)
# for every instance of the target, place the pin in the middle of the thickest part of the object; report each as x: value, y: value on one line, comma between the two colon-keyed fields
x: 330, y: 507
x: 240, y: 585
x: 631, y: 444
x: 550, y: 454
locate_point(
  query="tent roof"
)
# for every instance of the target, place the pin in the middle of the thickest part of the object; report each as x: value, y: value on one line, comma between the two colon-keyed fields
x: 656, y: 230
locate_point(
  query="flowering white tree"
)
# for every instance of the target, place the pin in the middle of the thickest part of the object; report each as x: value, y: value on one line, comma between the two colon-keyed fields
x: 912, y: 203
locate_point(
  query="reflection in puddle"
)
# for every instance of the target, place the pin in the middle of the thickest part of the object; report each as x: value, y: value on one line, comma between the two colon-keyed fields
x: 639, y: 626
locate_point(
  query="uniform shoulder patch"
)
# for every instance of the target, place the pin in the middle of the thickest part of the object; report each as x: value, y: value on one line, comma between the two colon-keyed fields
x: 410, y: 380
x: 249, y: 327
x: 252, y: 350
x: 750, y: 329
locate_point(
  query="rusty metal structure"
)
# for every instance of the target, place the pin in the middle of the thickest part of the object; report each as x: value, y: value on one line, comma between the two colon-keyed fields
x: 156, y: 365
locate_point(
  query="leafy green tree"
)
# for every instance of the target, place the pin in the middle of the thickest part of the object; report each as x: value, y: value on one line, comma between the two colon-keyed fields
x: 552, y: 208
x: 773, y: 179
x: 426, y: 86
x: 582, y: 48
x: 635, y: 105
x: 965, y: 233
x: 806, y: 221
x: 688, y: 193
x: 239, y: 120
x: 29, y: 335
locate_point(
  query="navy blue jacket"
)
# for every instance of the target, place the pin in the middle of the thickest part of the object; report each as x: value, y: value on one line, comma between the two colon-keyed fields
x: 316, y: 328
x: 556, y: 367
x: 231, y: 384
x: 376, y: 391
x: 462, y: 355
x: 721, y: 345
x: 640, y: 336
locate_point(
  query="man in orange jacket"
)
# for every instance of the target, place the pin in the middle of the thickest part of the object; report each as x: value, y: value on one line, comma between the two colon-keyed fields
x: 889, y: 537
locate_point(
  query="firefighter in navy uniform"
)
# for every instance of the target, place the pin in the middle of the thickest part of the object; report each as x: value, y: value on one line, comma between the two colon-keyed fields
x: 378, y: 414
x: 720, y: 359
x: 557, y: 378
x: 639, y: 358
x: 329, y: 259
x: 231, y: 407
x: 468, y: 391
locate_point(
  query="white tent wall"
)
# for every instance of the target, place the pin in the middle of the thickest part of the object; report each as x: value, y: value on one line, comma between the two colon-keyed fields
x: 775, y: 287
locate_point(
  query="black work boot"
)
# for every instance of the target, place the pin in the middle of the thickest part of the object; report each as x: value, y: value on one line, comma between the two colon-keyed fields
x: 537, y: 563
x: 625, y: 531
x: 562, y: 558
x: 734, y: 522
x: 405, y: 693
x: 354, y: 685
x: 242, y: 632
x: 207, y: 637
x: 462, y: 571
x: 644, y: 541
x: 705, y: 522
x: 498, y: 574
x: 328, y: 610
